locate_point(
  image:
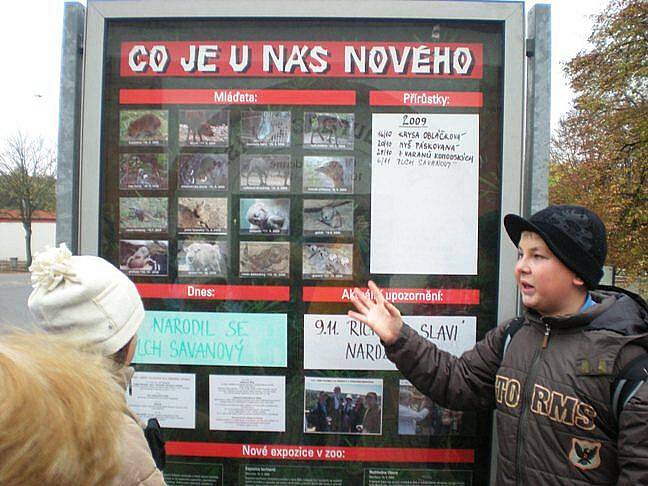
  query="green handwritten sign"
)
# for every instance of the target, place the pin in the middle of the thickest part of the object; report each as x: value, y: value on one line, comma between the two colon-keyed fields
x: 212, y: 338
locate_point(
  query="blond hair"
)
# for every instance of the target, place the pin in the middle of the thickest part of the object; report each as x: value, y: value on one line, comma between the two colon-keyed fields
x: 60, y: 413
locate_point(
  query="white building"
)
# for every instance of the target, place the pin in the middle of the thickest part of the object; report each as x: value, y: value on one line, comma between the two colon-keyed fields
x: 12, y: 242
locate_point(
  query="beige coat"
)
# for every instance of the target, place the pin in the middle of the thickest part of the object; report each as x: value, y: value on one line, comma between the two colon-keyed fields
x: 138, y: 467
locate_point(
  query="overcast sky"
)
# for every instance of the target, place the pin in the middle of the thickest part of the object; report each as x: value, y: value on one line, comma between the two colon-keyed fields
x: 30, y: 44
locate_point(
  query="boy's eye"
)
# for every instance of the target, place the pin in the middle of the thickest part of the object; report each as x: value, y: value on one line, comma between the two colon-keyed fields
x: 519, y: 255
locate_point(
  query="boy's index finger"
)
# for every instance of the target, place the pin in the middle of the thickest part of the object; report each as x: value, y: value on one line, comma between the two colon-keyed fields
x: 359, y: 296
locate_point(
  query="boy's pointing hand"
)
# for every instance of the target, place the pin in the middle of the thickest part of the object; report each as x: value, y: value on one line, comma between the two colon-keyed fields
x: 378, y: 313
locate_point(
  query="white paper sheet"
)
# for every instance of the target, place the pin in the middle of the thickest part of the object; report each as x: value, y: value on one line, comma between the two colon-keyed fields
x: 168, y: 397
x: 337, y: 342
x: 424, y: 194
x: 250, y: 403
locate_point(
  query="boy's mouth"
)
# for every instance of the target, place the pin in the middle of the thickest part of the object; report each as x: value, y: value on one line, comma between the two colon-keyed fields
x: 526, y: 288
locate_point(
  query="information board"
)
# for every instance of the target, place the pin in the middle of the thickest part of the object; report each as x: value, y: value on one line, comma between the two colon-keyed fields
x: 253, y: 171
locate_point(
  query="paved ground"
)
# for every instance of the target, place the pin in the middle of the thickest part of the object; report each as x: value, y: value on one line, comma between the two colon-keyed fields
x: 14, y: 290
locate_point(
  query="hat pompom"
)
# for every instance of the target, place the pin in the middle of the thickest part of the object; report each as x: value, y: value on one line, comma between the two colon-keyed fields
x: 51, y: 267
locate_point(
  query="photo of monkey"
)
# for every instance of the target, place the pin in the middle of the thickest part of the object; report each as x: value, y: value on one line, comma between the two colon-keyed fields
x: 265, y: 216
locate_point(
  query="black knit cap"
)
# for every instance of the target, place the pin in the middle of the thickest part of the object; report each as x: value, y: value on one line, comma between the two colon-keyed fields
x: 574, y: 234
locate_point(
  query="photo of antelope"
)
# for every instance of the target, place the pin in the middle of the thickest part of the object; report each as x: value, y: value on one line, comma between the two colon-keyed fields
x: 143, y: 171
x: 143, y: 214
x: 265, y: 173
x: 328, y: 174
x: 328, y: 217
x: 203, y: 171
x: 264, y: 258
x: 265, y: 128
x: 207, y: 128
x: 143, y: 127
x: 202, y: 215
x: 328, y: 130
x: 327, y: 261
x: 144, y: 257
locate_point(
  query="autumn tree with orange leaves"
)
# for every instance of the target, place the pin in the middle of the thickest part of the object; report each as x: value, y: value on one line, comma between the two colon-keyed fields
x: 599, y: 155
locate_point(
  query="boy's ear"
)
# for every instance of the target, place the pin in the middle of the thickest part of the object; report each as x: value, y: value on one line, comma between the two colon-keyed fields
x: 579, y: 282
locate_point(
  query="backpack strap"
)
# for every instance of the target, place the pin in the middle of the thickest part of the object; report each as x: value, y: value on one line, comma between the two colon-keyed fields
x: 628, y: 382
x: 514, y: 326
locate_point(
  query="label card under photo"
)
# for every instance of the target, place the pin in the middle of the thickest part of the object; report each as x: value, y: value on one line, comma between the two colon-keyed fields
x: 424, y: 194
x: 168, y: 397
x: 338, y: 342
x: 247, y: 403
x: 212, y: 338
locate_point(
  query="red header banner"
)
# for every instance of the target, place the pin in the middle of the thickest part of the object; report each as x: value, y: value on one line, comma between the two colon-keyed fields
x: 445, y: 99
x: 236, y: 97
x: 401, y: 296
x: 319, y: 453
x: 279, y: 293
x: 302, y: 58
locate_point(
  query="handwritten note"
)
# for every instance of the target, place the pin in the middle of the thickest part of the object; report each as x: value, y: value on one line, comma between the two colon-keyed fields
x: 424, y: 194
x: 337, y: 342
x: 211, y: 338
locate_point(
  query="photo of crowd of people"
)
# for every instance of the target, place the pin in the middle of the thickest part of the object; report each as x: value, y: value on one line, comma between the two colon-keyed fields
x: 343, y: 406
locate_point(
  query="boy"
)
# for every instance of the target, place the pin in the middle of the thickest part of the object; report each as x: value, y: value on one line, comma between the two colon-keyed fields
x: 566, y: 378
x: 95, y: 306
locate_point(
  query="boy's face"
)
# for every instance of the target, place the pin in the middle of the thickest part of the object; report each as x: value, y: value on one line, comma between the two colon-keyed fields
x: 546, y: 284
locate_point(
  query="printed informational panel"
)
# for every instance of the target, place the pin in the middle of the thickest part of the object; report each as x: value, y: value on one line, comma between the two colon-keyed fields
x: 254, y: 173
x: 249, y: 403
x: 338, y: 342
x: 168, y: 397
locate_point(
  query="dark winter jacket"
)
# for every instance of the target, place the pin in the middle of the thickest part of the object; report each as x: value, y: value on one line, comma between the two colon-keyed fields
x: 552, y: 392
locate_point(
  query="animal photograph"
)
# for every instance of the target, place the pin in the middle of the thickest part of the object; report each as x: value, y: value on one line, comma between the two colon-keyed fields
x: 202, y: 215
x: 202, y: 258
x: 143, y: 171
x: 143, y: 127
x: 264, y: 258
x: 328, y: 174
x: 265, y: 173
x: 143, y: 214
x: 343, y: 405
x: 144, y: 257
x: 269, y: 216
x: 203, y: 171
x: 204, y: 128
x: 329, y: 130
x: 328, y: 217
x: 265, y: 128
x: 327, y: 261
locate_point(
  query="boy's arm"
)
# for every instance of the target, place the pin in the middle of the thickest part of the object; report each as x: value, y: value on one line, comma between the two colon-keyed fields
x: 466, y: 382
x: 633, y: 417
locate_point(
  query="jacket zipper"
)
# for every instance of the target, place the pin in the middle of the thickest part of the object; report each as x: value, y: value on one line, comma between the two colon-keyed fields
x: 524, y: 411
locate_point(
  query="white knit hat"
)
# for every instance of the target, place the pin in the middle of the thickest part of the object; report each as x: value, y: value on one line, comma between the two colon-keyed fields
x: 86, y: 298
